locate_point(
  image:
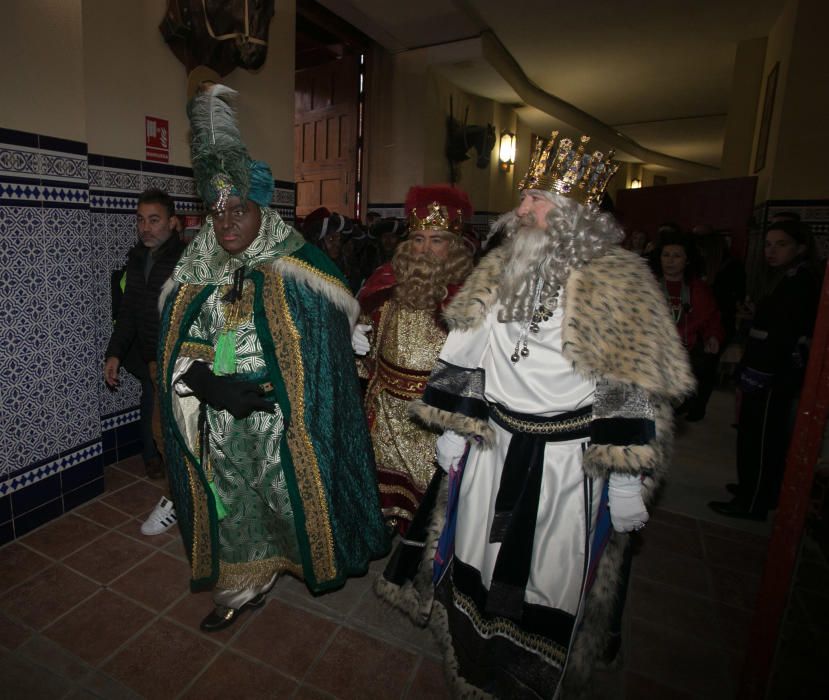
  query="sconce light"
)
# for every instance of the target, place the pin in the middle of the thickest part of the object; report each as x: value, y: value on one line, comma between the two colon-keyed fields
x: 506, y: 152
x: 635, y: 183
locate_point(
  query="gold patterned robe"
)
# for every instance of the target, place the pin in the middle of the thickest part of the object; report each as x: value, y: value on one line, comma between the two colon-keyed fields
x: 405, y: 348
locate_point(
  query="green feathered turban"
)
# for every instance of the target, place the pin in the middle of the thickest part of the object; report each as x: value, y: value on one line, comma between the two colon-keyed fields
x: 222, y: 166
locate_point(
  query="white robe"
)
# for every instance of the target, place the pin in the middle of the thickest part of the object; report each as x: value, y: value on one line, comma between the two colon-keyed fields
x: 542, y: 384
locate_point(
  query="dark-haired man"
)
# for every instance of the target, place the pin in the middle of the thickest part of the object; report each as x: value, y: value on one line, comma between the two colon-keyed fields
x: 149, y: 264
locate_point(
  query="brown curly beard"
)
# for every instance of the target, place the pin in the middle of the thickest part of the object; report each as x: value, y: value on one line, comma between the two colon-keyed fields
x: 422, y: 279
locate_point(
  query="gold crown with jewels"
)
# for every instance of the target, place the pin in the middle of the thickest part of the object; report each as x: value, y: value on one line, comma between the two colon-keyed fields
x: 438, y: 218
x: 569, y: 171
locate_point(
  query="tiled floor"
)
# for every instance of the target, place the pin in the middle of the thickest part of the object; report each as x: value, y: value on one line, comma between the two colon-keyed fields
x: 91, y: 608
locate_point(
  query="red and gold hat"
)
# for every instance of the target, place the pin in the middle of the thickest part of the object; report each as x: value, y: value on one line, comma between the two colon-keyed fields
x: 437, y: 208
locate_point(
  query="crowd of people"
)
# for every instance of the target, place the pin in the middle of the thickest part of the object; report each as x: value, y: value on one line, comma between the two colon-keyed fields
x: 705, y: 286
x: 509, y: 417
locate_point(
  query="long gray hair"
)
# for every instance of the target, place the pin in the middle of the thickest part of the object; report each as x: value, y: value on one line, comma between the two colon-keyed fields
x: 574, y: 234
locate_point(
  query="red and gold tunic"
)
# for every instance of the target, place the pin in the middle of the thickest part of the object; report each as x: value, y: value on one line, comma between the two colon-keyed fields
x: 405, y: 346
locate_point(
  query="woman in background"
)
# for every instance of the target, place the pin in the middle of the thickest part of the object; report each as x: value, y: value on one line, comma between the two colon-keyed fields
x: 695, y: 313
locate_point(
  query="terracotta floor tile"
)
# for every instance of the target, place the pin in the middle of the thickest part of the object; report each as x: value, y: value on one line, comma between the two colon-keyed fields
x: 23, y: 679
x: 309, y: 692
x: 730, y: 533
x: 735, y: 627
x: 132, y: 528
x: 46, y: 596
x: 667, y: 538
x: 102, y: 514
x: 337, y: 605
x: 358, y: 666
x: 176, y: 548
x: 156, y: 582
x: 173, y: 654
x: 63, y: 536
x: 735, y: 587
x: 113, y: 619
x: 107, y: 558
x: 285, y: 637
x: 137, y: 498
x: 639, y: 687
x: 380, y: 619
x: 429, y: 682
x: 678, y: 661
x: 296, y: 594
x: 19, y: 563
x: 659, y: 515
x: 12, y: 633
x: 737, y: 556
x: 116, y: 479
x: 133, y: 465
x: 45, y: 652
x: 81, y: 694
x: 676, y: 570
x: 193, y: 608
x: 681, y: 612
x: 232, y: 676
x: 100, y: 685
x: 344, y: 601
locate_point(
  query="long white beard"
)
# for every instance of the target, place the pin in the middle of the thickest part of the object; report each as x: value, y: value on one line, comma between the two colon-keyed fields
x: 530, y: 257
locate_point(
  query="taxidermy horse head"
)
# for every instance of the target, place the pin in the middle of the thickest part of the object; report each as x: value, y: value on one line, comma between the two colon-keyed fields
x: 461, y: 137
x: 220, y: 34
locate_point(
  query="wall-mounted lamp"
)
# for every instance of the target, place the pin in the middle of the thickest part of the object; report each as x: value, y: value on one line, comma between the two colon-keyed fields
x: 506, y: 152
x: 635, y: 183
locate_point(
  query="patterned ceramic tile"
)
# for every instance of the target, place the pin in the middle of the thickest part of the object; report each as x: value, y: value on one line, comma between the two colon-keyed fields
x: 68, y: 220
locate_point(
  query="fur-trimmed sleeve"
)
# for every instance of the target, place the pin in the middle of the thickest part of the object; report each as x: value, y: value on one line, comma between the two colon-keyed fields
x: 454, y: 397
x: 622, y: 432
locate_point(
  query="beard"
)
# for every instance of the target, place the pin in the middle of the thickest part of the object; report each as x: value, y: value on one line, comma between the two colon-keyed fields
x: 422, y: 279
x: 546, y: 252
x: 531, y: 256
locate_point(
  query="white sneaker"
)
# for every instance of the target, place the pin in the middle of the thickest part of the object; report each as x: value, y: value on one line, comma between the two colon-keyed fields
x: 161, y: 519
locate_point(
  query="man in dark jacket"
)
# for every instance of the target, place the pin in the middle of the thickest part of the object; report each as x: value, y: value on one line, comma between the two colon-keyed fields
x: 149, y: 264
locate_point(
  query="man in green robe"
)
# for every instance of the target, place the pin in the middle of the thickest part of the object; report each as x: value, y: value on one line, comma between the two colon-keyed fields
x: 271, y: 465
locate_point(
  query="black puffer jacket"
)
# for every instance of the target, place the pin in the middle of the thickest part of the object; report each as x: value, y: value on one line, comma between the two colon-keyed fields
x: 138, y: 313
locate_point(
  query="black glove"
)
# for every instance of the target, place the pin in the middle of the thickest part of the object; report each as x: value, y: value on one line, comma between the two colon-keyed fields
x: 239, y: 398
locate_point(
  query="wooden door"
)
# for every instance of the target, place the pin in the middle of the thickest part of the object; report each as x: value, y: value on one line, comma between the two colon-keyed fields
x: 325, y: 126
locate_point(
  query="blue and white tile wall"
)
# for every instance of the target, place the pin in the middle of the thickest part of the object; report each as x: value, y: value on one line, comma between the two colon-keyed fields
x: 67, y: 219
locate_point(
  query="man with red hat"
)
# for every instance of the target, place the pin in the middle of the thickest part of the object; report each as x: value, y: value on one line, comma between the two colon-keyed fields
x: 401, y: 304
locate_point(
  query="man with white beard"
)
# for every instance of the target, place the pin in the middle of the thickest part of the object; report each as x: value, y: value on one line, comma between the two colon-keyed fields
x: 554, y: 393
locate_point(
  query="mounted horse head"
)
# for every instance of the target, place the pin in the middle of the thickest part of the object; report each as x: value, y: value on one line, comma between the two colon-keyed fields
x: 220, y: 34
x: 460, y: 137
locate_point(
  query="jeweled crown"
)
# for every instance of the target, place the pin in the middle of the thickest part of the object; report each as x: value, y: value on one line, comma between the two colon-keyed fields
x: 438, y: 218
x: 569, y: 171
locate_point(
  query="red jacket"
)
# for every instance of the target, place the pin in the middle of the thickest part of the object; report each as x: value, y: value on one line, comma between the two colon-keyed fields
x: 697, y: 316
